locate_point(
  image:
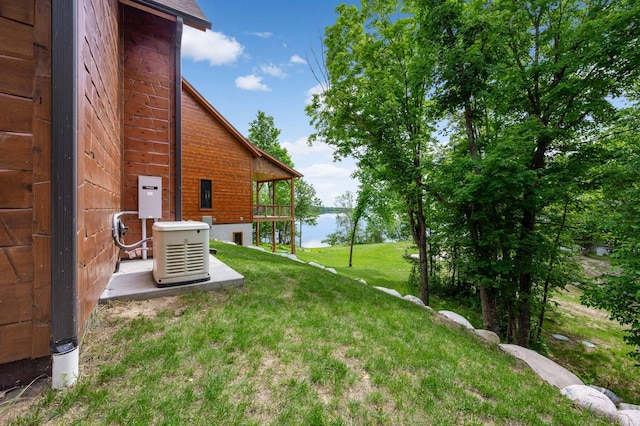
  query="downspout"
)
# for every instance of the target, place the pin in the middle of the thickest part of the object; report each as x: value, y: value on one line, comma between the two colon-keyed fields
x: 64, y: 194
x: 178, y: 121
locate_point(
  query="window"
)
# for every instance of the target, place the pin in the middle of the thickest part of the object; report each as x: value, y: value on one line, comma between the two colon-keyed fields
x: 205, y: 193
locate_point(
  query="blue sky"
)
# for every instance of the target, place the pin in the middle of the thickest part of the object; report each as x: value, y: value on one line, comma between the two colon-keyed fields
x: 256, y: 57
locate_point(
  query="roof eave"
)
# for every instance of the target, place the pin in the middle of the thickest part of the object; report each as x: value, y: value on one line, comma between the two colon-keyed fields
x: 189, y: 19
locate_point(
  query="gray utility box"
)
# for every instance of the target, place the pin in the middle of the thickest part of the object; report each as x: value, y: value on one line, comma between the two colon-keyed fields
x: 180, y: 253
x: 149, y: 197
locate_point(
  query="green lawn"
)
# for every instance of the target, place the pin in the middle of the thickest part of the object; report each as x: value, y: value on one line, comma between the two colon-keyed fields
x: 607, y: 365
x: 296, y: 346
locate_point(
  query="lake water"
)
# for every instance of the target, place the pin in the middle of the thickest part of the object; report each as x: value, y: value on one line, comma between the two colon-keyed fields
x: 312, y: 236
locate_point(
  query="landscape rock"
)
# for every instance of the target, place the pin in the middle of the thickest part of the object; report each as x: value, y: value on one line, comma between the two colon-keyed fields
x: 629, y: 417
x: 488, y: 336
x: 414, y: 299
x: 291, y: 256
x: 360, y: 280
x: 547, y: 370
x: 612, y: 396
x: 560, y: 337
x: 333, y: 271
x: 389, y: 291
x: 457, y: 318
x: 417, y: 301
x: 624, y: 406
x: 590, y: 399
x: 587, y: 344
x: 316, y: 265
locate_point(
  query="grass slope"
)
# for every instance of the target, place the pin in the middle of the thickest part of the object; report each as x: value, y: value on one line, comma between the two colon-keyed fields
x: 607, y: 365
x: 296, y: 345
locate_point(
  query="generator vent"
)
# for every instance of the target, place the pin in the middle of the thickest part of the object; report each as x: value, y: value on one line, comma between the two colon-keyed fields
x: 180, y: 252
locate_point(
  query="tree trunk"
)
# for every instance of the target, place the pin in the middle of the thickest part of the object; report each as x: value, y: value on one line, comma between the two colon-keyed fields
x: 524, y: 262
x: 353, y: 239
x: 545, y: 293
x: 490, y: 316
x: 419, y: 233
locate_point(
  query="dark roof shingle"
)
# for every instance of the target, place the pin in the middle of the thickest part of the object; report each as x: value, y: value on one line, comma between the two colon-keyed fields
x: 187, y: 9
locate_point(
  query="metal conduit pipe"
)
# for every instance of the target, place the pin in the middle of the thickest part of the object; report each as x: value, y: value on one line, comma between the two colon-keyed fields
x: 118, y: 228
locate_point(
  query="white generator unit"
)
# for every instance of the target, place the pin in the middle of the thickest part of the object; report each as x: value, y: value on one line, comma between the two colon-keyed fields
x: 180, y: 253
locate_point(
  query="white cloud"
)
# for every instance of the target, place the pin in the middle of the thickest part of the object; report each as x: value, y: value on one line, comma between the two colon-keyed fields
x: 325, y: 171
x: 251, y: 82
x: 315, y: 90
x: 273, y: 70
x: 300, y: 148
x: 295, y: 59
x: 261, y: 34
x: 213, y: 47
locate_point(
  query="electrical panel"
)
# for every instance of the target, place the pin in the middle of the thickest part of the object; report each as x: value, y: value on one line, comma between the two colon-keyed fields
x: 149, y: 197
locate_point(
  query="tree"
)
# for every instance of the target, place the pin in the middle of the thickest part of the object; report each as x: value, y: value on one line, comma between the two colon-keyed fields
x: 374, y: 104
x: 530, y: 86
x: 344, y: 221
x: 264, y: 134
x: 524, y: 89
x: 364, y: 195
x: 307, y: 208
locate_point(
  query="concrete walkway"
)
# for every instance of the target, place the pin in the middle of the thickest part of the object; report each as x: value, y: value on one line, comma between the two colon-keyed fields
x: 134, y: 281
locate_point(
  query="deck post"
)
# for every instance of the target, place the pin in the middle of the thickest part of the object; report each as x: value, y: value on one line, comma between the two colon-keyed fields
x: 273, y: 224
x: 293, y: 217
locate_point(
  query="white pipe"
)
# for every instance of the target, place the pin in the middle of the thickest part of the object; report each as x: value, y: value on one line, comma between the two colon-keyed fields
x: 65, y: 369
x: 144, y: 239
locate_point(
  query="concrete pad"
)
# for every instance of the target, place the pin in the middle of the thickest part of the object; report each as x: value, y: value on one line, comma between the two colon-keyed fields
x: 134, y: 281
x: 549, y: 371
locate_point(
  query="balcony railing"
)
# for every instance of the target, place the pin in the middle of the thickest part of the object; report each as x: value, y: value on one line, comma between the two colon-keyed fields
x: 271, y: 211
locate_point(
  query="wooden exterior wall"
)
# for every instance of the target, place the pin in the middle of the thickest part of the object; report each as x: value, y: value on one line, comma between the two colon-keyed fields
x: 25, y: 174
x: 99, y: 147
x: 211, y: 151
x: 149, y: 112
x: 126, y: 113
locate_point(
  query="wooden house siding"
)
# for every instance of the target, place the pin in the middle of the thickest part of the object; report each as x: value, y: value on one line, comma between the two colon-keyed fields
x: 25, y: 200
x: 149, y: 112
x: 211, y: 151
x: 99, y: 147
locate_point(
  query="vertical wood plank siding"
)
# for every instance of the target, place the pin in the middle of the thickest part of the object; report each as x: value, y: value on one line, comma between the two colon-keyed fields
x: 25, y: 139
x: 210, y: 151
x: 99, y: 147
x: 149, y: 148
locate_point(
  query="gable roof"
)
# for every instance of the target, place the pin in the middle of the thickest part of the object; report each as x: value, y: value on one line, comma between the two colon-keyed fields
x: 188, y: 10
x: 254, y: 150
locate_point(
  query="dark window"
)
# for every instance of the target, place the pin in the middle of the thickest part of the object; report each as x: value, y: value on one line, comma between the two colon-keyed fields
x: 205, y: 193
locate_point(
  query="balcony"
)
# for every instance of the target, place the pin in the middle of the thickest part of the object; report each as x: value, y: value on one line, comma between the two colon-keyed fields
x: 271, y: 212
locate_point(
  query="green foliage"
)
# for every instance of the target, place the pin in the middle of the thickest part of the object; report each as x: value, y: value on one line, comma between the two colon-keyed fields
x: 523, y: 89
x: 264, y: 134
x: 619, y: 291
x: 374, y: 106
